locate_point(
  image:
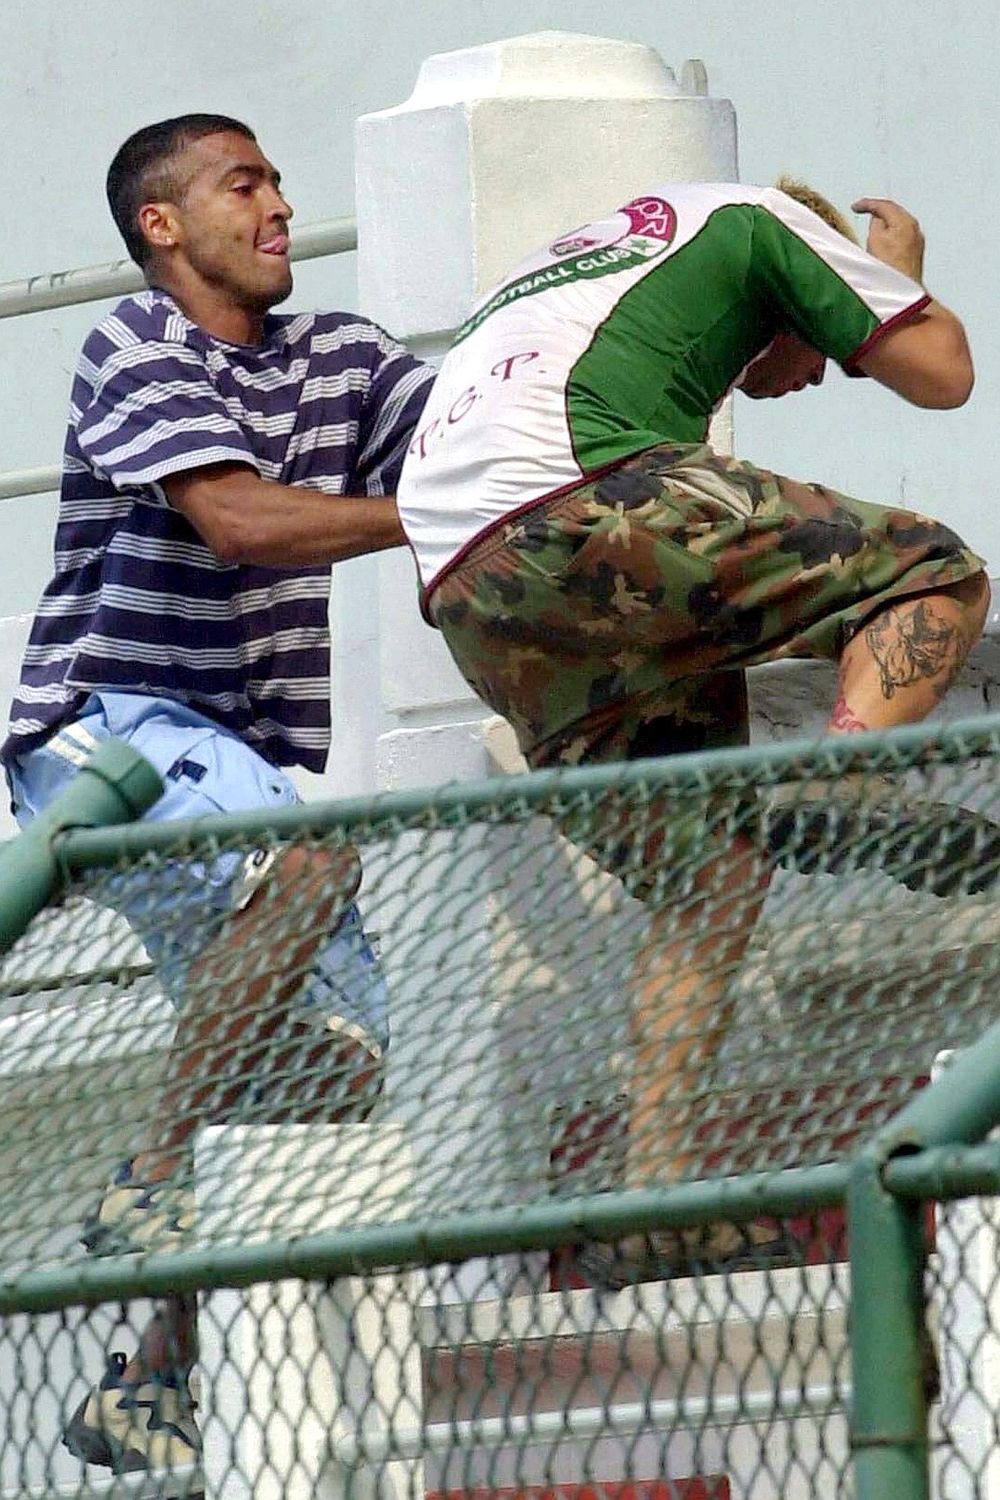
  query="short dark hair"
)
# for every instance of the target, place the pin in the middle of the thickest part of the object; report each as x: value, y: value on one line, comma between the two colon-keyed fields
x: 141, y: 170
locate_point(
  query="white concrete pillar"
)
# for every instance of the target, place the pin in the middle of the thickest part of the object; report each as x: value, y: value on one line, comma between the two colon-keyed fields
x: 289, y: 1368
x: 499, y: 148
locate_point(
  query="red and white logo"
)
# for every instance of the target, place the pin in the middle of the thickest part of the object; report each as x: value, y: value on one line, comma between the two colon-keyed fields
x: 652, y: 217
x: 573, y: 242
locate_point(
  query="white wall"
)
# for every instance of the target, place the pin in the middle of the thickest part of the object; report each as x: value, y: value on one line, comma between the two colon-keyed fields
x: 896, y: 100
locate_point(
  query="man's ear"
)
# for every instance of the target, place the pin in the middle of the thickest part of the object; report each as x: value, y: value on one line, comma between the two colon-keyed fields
x: 159, y: 225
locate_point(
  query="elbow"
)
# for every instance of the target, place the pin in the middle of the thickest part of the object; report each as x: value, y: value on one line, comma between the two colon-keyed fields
x: 952, y: 388
x: 223, y: 527
x: 225, y: 540
x: 955, y: 399
x: 945, y: 381
x: 963, y: 385
x: 956, y: 374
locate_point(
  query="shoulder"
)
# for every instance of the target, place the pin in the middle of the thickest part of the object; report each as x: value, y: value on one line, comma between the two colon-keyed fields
x: 352, y: 340
x: 145, y: 317
x: 143, y: 329
x: 707, y: 219
x: 800, y: 219
x: 710, y: 195
x: 697, y: 202
x: 792, y: 233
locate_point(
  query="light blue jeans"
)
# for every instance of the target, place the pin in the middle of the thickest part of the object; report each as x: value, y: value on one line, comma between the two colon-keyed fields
x: 205, y: 770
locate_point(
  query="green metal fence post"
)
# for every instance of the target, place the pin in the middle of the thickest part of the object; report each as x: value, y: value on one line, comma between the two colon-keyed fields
x: 891, y: 1350
x: 115, y: 786
x: 960, y: 1107
x: 889, y: 1345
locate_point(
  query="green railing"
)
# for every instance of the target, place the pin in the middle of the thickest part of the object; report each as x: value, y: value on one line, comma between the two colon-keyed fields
x: 117, y: 279
x: 650, y: 1188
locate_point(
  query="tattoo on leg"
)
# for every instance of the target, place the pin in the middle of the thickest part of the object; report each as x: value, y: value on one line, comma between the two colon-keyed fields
x: 844, y: 719
x: 914, y: 646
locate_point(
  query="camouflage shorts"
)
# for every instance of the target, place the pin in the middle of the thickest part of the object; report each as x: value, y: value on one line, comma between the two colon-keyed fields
x: 614, y: 621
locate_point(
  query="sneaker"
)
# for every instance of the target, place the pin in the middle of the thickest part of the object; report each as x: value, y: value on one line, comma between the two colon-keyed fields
x: 869, y: 822
x: 125, y: 1425
x: 135, y: 1216
x: 669, y: 1254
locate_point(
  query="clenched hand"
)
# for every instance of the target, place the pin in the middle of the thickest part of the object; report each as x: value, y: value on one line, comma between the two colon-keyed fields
x: 894, y: 236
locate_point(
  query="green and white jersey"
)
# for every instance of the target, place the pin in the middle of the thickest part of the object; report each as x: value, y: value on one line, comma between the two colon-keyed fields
x: 621, y: 335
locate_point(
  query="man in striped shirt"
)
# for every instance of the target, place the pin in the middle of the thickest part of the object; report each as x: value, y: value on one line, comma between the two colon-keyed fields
x: 219, y: 458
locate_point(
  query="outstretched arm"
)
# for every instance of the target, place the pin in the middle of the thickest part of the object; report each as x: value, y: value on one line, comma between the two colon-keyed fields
x: 927, y: 358
x: 245, y: 519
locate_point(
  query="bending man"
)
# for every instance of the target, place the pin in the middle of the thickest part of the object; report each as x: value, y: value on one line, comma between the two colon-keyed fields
x: 602, y: 577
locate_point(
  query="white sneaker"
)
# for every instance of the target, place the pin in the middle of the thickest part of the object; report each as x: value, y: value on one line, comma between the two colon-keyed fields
x: 135, y: 1216
x: 125, y: 1425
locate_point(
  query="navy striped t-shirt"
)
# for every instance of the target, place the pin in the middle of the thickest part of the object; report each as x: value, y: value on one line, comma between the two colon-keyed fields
x: 138, y: 603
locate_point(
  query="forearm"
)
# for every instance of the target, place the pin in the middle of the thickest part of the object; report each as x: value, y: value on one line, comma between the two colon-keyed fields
x: 245, y: 519
x: 926, y: 360
x: 311, y: 528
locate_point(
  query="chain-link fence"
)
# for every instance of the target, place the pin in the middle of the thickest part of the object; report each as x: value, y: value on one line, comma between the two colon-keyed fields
x: 525, y: 1166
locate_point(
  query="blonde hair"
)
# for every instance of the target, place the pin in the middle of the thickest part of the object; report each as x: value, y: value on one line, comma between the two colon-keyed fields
x: 809, y: 198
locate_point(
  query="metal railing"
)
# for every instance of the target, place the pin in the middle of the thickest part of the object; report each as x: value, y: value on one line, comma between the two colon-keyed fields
x: 119, y: 278
x: 376, y: 1246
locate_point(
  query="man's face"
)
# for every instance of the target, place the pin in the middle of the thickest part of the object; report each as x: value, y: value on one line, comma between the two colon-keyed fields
x: 231, y: 222
x: 787, y: 364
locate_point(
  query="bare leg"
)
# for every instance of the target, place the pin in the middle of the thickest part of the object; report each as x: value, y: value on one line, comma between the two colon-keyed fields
x: 168, y: 1341
x: 683, y: 1007
x: 895, y: 671
x: 902, y: 662
x: 240, y: 989
x: 236, y: 1029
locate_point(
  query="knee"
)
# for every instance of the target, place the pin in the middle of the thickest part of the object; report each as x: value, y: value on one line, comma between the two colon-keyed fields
x: 974, y: 595
x: 334, y: 871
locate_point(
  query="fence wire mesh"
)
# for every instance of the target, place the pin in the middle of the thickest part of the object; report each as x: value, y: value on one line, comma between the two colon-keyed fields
x: 597, y: 982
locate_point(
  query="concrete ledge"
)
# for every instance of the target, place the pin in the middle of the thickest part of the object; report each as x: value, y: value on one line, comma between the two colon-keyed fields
x: 791, y: 698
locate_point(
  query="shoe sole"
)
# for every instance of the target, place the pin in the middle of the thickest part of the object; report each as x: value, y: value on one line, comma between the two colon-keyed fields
x: 611, y: 1273
x: 98, y: 1239
x: 957, y: 853
x: 95, y: 1447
